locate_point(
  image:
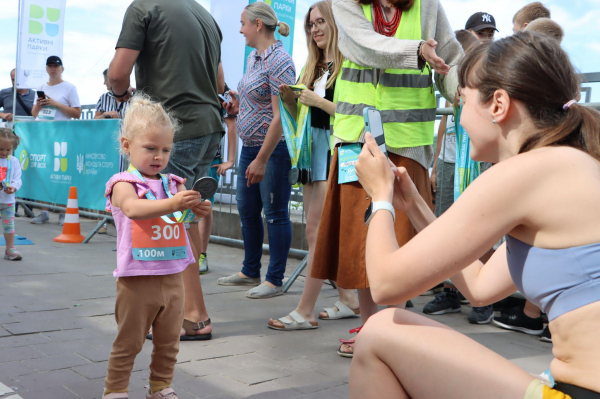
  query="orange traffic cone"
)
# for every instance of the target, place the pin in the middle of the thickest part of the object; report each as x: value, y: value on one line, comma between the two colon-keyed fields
x: 71, y: 229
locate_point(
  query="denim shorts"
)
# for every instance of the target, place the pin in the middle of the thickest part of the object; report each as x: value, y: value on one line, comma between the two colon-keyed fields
x: 320, y: 154
x: 191, y: 158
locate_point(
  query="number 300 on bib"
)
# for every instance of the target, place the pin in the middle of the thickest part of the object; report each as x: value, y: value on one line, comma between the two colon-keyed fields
x: 154, y: 240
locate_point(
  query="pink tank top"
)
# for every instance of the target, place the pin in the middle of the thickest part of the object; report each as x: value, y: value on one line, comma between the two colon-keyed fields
x: 148, y: 247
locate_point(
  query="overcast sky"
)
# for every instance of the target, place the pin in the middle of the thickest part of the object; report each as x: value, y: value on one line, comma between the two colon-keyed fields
x: 92, y: 28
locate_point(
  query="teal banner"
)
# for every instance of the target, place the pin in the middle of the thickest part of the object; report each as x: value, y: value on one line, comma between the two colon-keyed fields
x: 57, y: 155
x: 286, y: 12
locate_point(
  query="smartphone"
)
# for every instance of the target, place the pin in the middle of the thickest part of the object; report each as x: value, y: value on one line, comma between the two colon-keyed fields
x: 41, y: 94
x: 222, y: 97
x: 206, y: 186
x: 374, y: 124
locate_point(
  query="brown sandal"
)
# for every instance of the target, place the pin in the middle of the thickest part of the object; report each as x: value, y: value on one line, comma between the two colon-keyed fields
x: 190, y: 331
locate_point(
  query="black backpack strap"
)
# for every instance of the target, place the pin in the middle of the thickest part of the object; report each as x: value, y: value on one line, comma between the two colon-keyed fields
x: 27, y: 109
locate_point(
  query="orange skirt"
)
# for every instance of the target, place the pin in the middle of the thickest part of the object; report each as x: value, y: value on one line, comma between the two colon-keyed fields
x: 342, y: 238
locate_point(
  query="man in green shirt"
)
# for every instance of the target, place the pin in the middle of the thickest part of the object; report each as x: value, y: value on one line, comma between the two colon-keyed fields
x: 176, y: 49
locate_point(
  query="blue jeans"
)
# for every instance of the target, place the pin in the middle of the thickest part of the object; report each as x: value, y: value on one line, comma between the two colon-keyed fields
x: 272, y: 194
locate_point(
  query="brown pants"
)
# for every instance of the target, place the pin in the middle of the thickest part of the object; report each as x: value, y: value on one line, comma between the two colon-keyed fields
x: 144, y: 301
x: 340, y: 253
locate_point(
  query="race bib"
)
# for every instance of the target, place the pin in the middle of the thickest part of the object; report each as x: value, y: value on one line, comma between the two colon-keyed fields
x: 347, y: 158
x: 47, y: 114
x: 154, y: 239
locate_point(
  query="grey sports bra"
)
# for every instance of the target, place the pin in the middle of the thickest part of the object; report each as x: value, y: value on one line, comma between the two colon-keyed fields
x: 556, y: 280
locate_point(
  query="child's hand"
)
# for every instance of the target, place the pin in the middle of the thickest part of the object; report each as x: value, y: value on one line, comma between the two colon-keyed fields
x: 202, y: 209
x: 186, y: 199
x: 10, y: 190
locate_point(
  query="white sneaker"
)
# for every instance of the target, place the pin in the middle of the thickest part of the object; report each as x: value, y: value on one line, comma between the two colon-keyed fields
x: 41, y: 218
x: 12, y: 254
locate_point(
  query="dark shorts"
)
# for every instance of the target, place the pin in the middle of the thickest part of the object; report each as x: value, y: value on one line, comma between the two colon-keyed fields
x: 191, y: 158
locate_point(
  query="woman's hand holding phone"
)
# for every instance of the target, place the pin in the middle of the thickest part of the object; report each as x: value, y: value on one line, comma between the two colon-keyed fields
x: 233, y: 106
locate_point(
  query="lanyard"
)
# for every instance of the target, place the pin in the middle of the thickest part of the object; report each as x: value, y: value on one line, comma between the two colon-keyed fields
x: 6, y: 181
x: 297, y: 135
x: 186, y: 216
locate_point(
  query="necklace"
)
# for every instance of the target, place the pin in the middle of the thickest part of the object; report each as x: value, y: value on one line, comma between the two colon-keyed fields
x: 384, y: 27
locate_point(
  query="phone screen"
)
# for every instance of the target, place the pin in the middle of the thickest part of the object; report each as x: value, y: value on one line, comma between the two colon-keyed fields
x: 41, y: 94
x: 222, y: 97
x: 374, y: 124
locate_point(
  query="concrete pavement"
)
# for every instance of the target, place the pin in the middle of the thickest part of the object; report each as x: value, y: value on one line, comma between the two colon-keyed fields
x: 57, y: 327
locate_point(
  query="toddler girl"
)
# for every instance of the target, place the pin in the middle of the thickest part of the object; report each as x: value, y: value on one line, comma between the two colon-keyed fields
x: 152, y: 250
x: 10, y: 178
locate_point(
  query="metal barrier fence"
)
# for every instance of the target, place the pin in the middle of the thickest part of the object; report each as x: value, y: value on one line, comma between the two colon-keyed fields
x: 225, y: 204
x: 226, y: 219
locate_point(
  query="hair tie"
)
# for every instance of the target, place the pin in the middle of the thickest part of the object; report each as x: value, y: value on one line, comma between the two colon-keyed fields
x: 278, y: 23
x: 567, y: 105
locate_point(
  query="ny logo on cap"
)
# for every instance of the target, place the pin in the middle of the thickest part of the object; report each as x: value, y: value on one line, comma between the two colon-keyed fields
x: 486, y: 18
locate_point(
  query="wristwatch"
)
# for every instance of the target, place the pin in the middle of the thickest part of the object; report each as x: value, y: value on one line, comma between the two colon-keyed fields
x: 377, y: 206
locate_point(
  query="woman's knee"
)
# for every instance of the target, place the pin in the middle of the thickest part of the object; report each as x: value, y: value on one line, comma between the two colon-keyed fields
x: 381, y: 326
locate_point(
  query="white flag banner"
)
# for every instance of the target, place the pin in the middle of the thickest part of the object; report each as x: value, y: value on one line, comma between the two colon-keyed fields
x: 41, y: 30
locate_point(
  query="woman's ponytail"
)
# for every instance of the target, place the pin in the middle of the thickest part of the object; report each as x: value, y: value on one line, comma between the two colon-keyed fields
x: 284, y: 29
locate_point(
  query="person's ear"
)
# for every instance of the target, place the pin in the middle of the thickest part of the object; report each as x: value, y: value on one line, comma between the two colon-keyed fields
x: 125, y: 145
x: 501, y: 103
x: 259, y: 24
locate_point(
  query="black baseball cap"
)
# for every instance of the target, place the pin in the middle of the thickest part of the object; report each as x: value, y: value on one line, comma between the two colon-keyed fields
x: 53, y: 59
x: 481, y: 20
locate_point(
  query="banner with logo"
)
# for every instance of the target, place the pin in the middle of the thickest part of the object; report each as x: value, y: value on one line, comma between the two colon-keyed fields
x: 57, y: 155
x: 286, y: 12
x: 40, y: 36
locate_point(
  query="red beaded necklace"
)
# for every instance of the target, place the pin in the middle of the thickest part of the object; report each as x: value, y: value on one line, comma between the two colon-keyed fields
x: 381, y: 25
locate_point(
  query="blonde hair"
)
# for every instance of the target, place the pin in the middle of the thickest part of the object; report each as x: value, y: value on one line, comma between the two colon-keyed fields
x: 531, y: 12
x: 142, y: 113
x: 265, y: 13
x: 9, y: 135
x: 314, y: 62
x: 546, y: 26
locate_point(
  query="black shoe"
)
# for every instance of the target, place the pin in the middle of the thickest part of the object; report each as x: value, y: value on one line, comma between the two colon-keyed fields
x: 483, y: 315
x: 520, y: 322
x: 463, y: 300
x: 444, y: 302
x: 409, y: 304
x: 508, y: 303
x: 546, y: 336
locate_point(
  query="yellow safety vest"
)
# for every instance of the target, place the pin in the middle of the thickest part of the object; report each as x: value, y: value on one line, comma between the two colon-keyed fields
x: 405, y: 97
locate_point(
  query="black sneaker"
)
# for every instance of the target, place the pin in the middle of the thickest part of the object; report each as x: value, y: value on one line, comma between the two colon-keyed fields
x: 409, y: 304
x: 444, y: 302
x: 482, y: 315
x: 546, y: 336
x: 508, y: 303
x: 520, y: 322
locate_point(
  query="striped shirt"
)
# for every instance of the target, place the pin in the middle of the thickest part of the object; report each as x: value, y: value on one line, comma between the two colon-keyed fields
x: 107, y: 103
x: 265, y: 72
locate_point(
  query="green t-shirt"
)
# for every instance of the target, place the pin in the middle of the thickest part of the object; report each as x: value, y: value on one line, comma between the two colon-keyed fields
x: 180, y: 50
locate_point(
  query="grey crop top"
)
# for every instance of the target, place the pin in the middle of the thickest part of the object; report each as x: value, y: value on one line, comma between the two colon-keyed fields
x: 556, y: 280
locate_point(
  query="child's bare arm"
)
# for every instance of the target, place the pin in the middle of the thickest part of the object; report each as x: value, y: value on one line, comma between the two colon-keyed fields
x: 125, y: 197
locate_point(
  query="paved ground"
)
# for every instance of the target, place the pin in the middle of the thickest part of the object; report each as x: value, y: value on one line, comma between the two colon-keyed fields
x: 57, y: 327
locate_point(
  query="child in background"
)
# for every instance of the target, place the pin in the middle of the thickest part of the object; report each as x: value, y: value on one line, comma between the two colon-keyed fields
x: 152, y: 250
x: 10, y: 177
x: 529, y: 13
x: 548, y: 27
